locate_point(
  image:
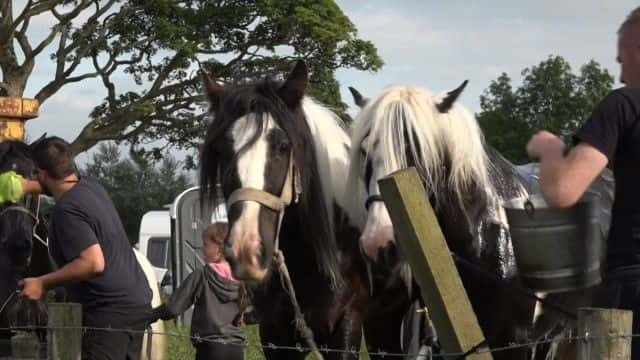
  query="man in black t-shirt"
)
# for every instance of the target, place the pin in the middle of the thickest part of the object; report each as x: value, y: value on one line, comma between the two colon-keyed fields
x: 611, y: 137
x: 95, y: 259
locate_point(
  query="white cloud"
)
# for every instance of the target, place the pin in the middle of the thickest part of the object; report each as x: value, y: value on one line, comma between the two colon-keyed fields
x: 427, y: 43
x: 479, y: 40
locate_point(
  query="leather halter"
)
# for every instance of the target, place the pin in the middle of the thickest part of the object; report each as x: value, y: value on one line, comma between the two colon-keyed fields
x: 291, y: 190
x: 372, y: 199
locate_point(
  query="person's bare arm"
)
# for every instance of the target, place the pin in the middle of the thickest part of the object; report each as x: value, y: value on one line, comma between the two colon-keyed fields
x: 31, y: 186
x: 88, y: 264
x: 564, y: 179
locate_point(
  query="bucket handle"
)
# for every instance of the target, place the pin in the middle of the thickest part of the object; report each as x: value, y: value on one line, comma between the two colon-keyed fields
x: 529, y: 208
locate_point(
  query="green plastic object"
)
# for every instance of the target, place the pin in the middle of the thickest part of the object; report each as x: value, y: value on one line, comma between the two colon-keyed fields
x: 10, y: 187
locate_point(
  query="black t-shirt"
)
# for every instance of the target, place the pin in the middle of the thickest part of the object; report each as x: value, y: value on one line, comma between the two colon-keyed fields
x: 85, y: 216
x: 614, y: 129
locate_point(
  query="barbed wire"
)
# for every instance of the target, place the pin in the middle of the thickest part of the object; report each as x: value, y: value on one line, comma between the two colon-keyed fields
x: 323, y: 349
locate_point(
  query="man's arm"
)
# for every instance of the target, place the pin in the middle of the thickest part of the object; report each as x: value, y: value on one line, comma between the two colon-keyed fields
x: 31, y: 186
x: 564, y: 179
x: 88, y: 264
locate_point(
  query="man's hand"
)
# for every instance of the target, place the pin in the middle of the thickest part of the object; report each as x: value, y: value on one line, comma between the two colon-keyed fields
x: 33, y: 288
x: 545, y: 144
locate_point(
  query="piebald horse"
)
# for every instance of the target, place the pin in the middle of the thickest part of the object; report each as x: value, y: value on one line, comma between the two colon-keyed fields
x: 282, y: 160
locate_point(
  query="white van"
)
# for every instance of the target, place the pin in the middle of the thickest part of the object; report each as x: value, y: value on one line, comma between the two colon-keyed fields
x: 154, y: 241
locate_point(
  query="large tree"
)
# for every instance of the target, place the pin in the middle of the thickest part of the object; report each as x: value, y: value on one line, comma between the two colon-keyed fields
x: 160, y: 44
x: 136, y: 183
x: 550, y: 97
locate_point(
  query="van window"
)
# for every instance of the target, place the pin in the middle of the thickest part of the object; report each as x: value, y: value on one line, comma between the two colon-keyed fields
x: 158, y: 252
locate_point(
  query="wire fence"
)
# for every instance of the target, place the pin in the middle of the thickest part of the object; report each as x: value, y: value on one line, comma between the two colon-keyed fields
x: 326, y: 350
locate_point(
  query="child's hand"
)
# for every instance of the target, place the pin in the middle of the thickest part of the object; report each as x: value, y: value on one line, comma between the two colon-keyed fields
x: 151, y: 316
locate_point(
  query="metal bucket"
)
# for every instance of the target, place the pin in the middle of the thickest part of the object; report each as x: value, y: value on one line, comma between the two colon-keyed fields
x: 556, y: 249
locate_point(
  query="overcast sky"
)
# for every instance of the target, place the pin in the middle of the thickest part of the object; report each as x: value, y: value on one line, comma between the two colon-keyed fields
x: 434, y: 44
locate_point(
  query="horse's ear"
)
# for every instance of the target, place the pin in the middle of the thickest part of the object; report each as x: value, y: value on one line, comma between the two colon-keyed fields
x: 451, y: 97
x: 292, y: 91
x: 34, y: 143
x: 360, y: 100
x: 213, y: 90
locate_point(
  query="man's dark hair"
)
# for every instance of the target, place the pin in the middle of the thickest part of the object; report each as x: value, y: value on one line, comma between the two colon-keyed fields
x: 54, y: 155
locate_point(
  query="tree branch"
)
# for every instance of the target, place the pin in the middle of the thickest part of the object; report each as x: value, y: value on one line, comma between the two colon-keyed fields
x: 171, y: 65
x: 111, y: 89
x: 48, y: 40
x: 6, y: 9
x: 31, y: 10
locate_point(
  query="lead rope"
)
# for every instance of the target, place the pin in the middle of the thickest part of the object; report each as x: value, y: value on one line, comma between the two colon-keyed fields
x: 292, y: 183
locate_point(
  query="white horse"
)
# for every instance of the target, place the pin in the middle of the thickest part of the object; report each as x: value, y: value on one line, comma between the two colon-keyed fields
x: 153, y: 345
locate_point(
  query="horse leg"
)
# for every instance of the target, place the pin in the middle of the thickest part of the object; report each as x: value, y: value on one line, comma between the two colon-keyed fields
x: 346, y: 336
x: 510, y: 322
x: 347, y: 331
x: 383, y: 320
x: 279, y: 332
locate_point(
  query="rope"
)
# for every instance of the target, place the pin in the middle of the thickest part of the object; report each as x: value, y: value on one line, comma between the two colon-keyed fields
x: 8, y: 299
x: 301, y: 323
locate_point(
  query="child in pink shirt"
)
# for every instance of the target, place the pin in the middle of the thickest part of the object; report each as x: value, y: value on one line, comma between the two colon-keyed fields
x: 219, y: 302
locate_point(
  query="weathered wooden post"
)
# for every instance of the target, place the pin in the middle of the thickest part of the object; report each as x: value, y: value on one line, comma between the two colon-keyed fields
x: 424, y: 246
x: 606, y: 333
x: 14, y: 111
x: 65, y: 331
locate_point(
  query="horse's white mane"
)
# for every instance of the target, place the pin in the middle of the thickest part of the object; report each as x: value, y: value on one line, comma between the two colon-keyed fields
x: 332, y: 146
x: 453, y: 138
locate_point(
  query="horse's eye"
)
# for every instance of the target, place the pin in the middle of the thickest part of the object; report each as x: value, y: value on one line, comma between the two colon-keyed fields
x: 284, y: 146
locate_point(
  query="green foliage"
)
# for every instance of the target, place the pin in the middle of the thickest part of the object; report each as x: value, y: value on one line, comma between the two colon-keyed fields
x: 136, y: 184
x: 160, y: 44
x: 178, y: 346
x: 551, y: 97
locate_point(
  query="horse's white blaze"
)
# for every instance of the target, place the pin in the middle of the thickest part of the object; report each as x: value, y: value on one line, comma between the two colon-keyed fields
x: 331, y: 145
x: 378, y: 230
x: 251, y: 172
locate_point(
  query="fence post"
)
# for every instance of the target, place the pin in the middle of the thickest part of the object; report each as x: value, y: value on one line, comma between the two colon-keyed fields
x: 604, y: 330
x: 25, y: 345
x: 424, y: 246
x: 14, y: 111
x: 65, y: 343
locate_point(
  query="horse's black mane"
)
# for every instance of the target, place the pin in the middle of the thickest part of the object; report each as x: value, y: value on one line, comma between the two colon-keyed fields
x: 13, y: 150
x: 262, y: 99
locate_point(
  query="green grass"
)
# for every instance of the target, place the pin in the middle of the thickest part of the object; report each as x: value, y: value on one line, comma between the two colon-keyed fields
x: 178, y: 347
x: 181, y: 348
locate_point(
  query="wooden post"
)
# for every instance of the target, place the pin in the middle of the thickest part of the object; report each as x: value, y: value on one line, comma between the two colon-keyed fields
x: 25, y: 345
x: 419, y: 235
x: 65, y: 333
x: 14, y: 111
x: 607, y: 327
